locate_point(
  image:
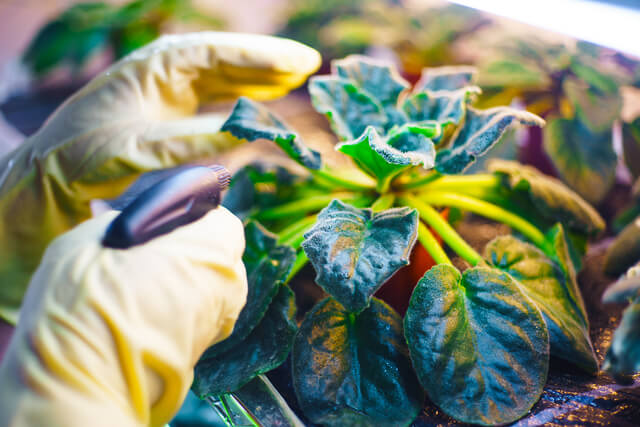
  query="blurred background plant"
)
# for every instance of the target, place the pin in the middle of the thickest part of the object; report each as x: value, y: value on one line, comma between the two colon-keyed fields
x: 578, y: 90
x: 85, y: 29
x: 419, y: 34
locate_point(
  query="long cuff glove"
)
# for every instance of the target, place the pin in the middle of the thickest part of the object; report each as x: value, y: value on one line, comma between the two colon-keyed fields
x: 136, y: 116
x: 109, y: 337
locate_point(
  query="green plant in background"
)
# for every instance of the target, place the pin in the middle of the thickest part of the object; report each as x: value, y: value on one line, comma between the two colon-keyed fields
x: 479, y: 340
x: 420, y: 37
x: 578, y: 91
x: 88, y: 28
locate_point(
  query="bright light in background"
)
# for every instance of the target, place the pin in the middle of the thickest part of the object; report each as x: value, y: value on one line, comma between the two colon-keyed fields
x: 604, y: 24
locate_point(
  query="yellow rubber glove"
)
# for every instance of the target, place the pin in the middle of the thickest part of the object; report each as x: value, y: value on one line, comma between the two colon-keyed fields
x: 109, y: 337
x: 134, y: 117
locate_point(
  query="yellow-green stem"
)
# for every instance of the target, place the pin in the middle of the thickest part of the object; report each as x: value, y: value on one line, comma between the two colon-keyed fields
x: 487, y: 210
x: 383, y: 202
x: 444, y: 230
x: 431, y: 244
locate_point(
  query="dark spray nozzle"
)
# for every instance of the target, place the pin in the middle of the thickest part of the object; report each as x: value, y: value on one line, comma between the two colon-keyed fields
x: 177, y: 200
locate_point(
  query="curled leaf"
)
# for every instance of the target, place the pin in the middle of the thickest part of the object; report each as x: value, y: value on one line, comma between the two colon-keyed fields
x: 384, y: 157
x: 354, y: 369
x: 354, y: 251
x: 480, y: 347
x: 349, y: 108
x: 446, y: 78
x: 378, y: 78
x: 480, y: 130
x: 443, y: 107
x: 251, y: 121
x: 264, y: 349
x: 551, y: 197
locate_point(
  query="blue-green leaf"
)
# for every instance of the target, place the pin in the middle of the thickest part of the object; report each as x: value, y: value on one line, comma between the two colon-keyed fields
x: 443, y: 107
x: 380, y: 79
x: 267, y: 265
x: 385, y: 157
x: 251, y: 121
x: 553, y: 290
x: 354, y: 370
x: 349, y: 108
x: 446, y: 78
x: 354, y: 251
x: 264, y: 349
x: 584, y: 160
x: 480, y: 347
x: 480, y: 130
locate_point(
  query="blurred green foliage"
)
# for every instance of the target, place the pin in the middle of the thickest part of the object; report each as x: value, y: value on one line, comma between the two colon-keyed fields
x: 420, y: 37
x: 85, y: 29
x: 577, y: 89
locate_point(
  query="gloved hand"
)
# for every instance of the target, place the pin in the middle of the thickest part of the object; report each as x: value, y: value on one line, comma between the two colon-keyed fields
x: 109, y: 337
x: 136, y: 116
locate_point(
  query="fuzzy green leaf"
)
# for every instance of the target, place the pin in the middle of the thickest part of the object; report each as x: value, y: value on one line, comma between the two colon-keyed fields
x: 251, y: 121
x: 385, y: 157
x: 553, y: 291
x: 267, y: 265
x: 597, y: 110
x: 443, y: 107
x: 349, y: 108
x: 378, y: 78
x: 480, y: 130
x: 631, y: 146
x: 480, y: 347
x: 446, y: 78
x: 625, y: 250
x: 354, y: 251
x: 264, y: 349
x: 584, y: 160
x: 354, y: 369
x: 553, y: 200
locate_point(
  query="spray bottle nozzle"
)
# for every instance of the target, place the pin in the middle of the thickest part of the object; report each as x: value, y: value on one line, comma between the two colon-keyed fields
x: 175, y: 201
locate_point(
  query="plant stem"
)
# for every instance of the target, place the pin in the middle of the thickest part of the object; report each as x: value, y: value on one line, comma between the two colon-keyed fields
x: 487, y: 210
x: 461, y: 182
x: 430, y: 243
x: 301, y: 261
x: 383, y: 202
x: 444, y: 230
x: 302, y: 206
x: 292, y: 230
x: 342, y: 182
x: 419, y: 182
